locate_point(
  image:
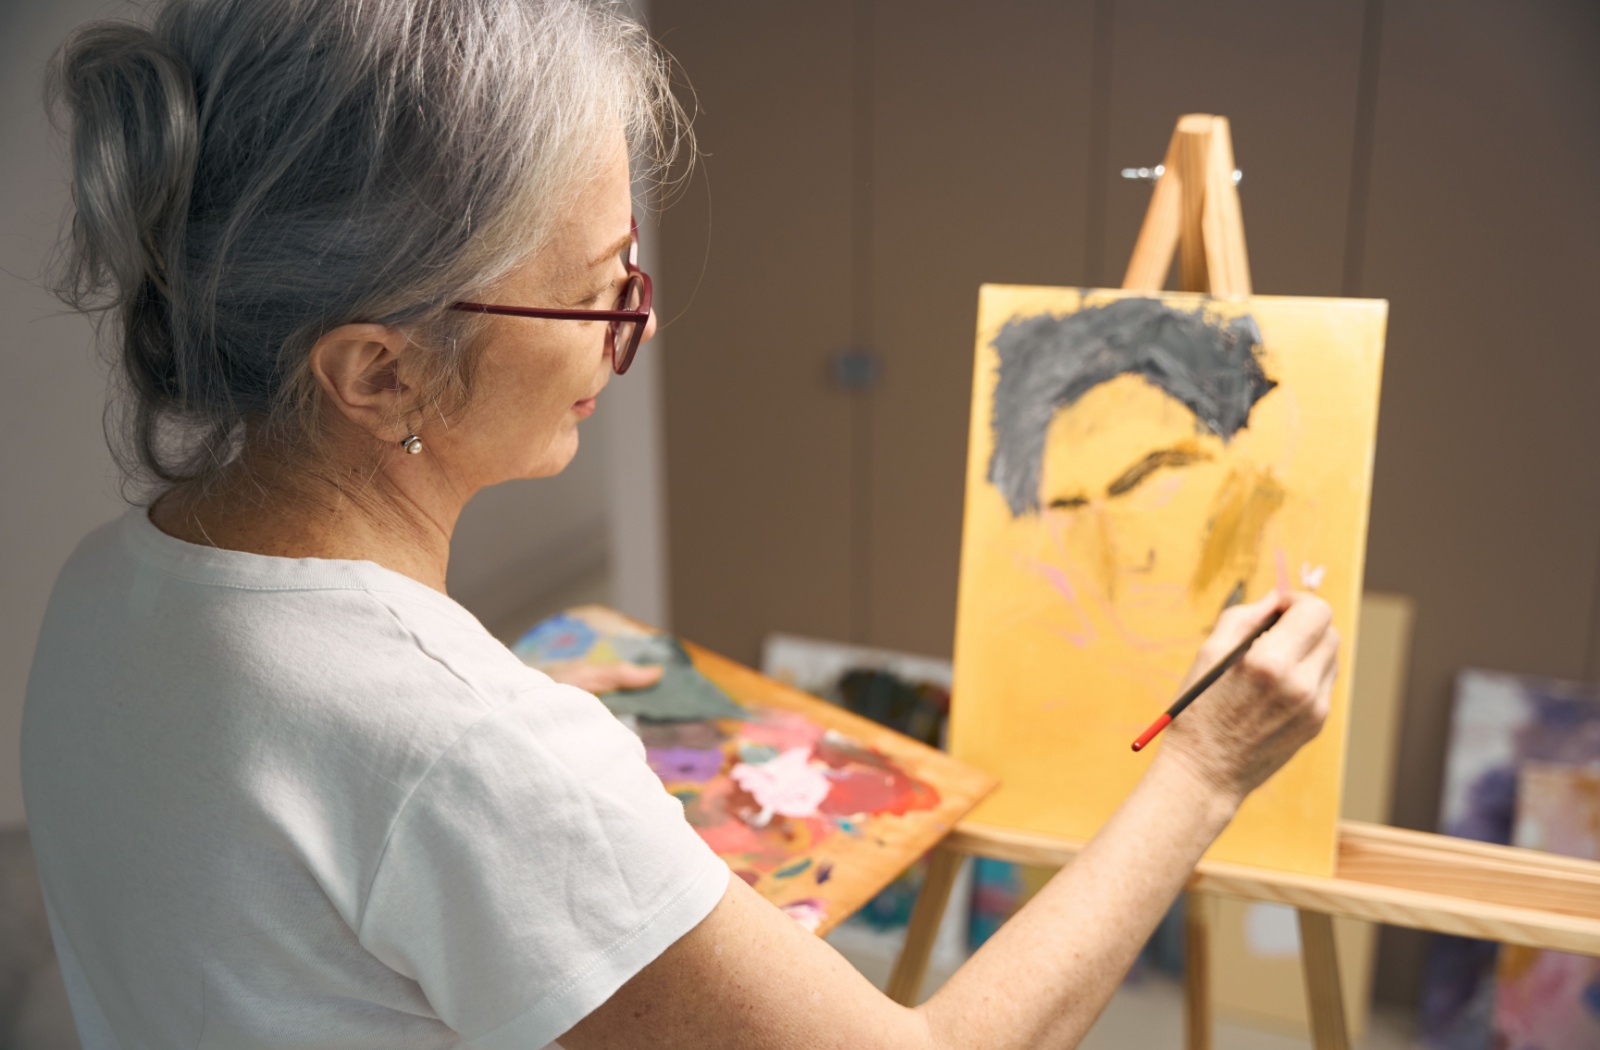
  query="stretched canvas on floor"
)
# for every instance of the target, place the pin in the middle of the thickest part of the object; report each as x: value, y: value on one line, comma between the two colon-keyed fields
x: 1138, y: 463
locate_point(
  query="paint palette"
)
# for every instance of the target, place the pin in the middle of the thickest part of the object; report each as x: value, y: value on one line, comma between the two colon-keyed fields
x: 815, y: 807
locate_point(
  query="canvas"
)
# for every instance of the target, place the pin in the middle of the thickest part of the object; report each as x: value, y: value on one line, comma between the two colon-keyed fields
x: 1136, y: 464
x: 1502, y: 724
x: 1547, y: 1000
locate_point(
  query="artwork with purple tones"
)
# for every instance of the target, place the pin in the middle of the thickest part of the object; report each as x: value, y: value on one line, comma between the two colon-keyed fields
x: 1502, y: 723
x: 1547, y: 1000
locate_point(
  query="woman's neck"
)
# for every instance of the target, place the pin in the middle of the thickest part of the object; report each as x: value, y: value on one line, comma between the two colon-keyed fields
x: 260, y: 508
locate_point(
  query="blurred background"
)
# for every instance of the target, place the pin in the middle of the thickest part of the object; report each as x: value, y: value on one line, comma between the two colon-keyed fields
x: 788, y: 455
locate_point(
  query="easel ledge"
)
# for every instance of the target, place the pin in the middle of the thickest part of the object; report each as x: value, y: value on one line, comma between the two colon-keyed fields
x: 1474, y: 889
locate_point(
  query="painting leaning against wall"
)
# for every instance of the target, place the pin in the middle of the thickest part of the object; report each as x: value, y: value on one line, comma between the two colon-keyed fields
x: 1547, y: 1000
x: 1508, y: 731
x: 1136, y: 465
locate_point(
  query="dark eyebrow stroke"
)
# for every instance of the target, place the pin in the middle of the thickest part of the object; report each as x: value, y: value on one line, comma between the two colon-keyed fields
x: 1181, y: 456
x: 1068, y: 503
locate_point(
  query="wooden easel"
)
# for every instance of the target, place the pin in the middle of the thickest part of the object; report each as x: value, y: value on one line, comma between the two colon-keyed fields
x: 1381, y: 874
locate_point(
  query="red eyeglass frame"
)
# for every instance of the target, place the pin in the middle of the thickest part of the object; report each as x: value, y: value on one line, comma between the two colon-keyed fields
x: 621, y: 357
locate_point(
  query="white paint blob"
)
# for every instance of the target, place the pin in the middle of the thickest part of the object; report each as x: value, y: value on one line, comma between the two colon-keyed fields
x: 789, y: 785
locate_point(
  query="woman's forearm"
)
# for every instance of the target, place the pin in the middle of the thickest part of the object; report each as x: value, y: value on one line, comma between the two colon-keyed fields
x: 1045, y: 976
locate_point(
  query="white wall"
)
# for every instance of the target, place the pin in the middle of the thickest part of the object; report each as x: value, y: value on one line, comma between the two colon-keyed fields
x: 518, y: 546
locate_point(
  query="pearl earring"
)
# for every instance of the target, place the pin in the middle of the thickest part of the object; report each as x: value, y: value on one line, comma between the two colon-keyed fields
x: 411, y: 443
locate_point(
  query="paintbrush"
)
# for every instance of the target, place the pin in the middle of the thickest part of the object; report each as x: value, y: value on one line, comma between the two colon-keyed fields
x: 1206, y: 681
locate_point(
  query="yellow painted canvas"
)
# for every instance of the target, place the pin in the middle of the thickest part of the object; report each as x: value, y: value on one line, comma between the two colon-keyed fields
x: 1138, y: 463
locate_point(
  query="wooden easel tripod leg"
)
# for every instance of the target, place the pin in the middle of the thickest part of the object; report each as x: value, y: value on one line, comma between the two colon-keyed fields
x: 1198, y: 911
x: 1324, y: 999
x: 905, y: 983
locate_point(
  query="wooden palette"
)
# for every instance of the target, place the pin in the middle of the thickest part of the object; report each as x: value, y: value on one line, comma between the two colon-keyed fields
x: 888, y: 798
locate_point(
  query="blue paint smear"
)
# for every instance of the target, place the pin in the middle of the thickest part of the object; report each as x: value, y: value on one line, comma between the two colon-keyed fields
x: 561, y: 637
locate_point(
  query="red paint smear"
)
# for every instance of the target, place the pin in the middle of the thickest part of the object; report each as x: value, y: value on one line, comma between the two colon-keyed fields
x: 867, y: 791
x: 748, y: 876
x: 840, y: 752
x: 866, y: 782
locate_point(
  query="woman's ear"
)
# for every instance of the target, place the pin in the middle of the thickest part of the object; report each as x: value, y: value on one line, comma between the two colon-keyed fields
x: 358, y: 368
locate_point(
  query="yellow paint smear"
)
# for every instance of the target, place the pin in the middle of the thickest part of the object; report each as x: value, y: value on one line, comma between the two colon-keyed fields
x: 1233, y: 542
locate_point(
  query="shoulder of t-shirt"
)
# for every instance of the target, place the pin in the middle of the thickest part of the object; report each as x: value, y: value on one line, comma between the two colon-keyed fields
x: 361, y: 635
x: 451, y: 637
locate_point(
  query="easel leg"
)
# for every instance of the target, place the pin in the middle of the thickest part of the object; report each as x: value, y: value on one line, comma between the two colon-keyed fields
x: 1198, y: 910
x: 1323, y: 996
x: 905, y: 983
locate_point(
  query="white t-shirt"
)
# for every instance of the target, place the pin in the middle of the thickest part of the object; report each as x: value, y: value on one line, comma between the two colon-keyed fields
x: 302, y: 802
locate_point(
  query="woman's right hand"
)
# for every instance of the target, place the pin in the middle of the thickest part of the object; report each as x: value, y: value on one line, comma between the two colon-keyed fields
x: 1269, y: 704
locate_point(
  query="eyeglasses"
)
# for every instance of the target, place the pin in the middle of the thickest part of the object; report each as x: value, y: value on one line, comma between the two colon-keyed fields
x: 628, y: 318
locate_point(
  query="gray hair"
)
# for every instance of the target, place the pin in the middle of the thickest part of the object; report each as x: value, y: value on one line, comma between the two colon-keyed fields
x: 1047, y: 363
x: 248, y: 174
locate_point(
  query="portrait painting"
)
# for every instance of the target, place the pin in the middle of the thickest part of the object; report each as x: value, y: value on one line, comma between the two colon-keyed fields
x: 1137, y: 464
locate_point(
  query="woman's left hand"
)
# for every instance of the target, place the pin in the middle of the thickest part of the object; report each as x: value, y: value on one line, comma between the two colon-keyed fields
x: 603, y: 678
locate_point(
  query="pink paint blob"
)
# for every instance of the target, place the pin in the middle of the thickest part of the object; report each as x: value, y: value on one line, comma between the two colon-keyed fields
x: 1062, y: 584
x: 783, y: 730
x: 809, y: 912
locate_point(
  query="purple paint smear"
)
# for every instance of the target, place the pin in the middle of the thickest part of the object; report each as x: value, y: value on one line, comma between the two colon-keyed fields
x: 685, y: 763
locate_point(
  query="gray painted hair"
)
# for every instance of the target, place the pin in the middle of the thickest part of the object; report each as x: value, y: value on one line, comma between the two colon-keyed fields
x: 248, y: 174
x: 1047, y: 363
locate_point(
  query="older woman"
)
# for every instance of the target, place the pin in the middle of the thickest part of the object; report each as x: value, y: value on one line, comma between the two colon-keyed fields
x: 284, y: 791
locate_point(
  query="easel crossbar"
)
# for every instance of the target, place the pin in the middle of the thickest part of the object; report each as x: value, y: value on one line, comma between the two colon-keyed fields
x: 1473, y: 889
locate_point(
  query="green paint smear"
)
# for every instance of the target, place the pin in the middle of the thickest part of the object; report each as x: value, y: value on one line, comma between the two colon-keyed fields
x: 682, y: 695
x: 792, y: 870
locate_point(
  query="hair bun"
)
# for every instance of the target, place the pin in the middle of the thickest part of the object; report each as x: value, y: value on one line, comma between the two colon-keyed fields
x: 134, y: 139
